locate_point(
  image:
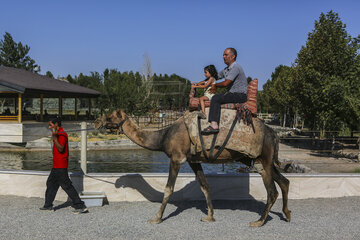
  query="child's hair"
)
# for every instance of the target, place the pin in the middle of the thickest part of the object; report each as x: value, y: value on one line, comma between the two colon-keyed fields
x: 212, y: 70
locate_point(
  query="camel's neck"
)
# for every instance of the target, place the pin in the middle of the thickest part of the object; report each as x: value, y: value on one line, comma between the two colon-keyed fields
x: 147, y: 139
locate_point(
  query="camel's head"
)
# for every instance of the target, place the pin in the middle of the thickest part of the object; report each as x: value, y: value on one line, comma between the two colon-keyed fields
x: 113, y: 120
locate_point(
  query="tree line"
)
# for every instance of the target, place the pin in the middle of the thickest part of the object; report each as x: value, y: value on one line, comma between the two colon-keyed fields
x: 131, y: 91
x: 322, y: 86
x: 137, y: 93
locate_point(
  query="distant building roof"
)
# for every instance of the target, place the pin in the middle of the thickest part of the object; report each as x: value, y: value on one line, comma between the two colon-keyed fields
x: 27, y: 82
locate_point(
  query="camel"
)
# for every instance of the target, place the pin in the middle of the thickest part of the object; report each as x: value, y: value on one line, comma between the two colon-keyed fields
x: 175, y: 142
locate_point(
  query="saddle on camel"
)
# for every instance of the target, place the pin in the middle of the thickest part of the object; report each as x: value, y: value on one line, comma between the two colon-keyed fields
x: 240, y: 137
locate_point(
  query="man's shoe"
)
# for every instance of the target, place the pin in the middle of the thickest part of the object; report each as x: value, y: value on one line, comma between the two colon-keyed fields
x: 209, y: 130
x: 47, y: 208
x: 80, y: 210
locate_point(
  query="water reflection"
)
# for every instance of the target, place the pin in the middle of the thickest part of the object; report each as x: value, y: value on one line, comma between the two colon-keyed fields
x: 112, y: 161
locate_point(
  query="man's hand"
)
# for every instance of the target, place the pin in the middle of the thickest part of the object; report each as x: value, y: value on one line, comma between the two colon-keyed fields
x: 54, y: 132
x: 212, y: 88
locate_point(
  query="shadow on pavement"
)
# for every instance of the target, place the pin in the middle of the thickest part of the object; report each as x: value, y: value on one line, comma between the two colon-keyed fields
x: 178, y: 198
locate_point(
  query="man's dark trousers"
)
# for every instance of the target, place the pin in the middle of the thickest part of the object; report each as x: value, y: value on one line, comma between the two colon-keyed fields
x: 218, y: 99
x: 59, y: 178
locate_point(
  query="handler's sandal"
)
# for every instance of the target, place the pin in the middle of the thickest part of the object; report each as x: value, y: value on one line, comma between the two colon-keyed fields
x: 47, y: 208
x: 80, y: 210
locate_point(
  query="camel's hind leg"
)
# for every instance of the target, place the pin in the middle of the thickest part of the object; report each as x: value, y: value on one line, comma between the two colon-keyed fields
x: 196, y: 167
x: 284, y: 185
x: 272, y: 194
x: 169, y: 189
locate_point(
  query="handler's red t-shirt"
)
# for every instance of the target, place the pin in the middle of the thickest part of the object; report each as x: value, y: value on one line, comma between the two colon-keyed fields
x: 60, y: 160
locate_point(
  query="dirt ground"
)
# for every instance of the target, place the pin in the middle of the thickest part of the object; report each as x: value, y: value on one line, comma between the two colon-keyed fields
x: 319, y: 161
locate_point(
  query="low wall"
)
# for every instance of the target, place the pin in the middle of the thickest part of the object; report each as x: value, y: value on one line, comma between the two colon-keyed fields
x: 150, y: 187
x: 11, y: 132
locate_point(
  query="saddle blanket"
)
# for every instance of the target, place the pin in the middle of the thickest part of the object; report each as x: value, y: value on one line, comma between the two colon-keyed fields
x: 243, y: 139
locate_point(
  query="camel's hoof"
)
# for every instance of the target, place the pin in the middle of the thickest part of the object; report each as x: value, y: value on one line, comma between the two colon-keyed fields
x: 257, y: 223
x: 208, y: 219
x: 155, y: 221
x: 287, y: 216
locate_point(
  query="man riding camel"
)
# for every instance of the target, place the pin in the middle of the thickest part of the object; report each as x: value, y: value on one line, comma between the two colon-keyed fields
x: 236, y: 83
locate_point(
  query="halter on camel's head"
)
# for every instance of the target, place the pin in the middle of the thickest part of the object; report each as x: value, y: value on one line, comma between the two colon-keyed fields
x: 115, y: 120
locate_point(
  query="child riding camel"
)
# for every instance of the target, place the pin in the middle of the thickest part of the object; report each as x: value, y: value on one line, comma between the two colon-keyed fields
x: 211, y: 76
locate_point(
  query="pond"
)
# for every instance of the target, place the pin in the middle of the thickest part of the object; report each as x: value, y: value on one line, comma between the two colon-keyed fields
x: 111, y: 161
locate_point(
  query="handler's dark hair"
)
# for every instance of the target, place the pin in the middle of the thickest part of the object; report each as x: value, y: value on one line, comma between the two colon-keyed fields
x: 57, y: 120
x: 212, y: 70
x: 233, y: 51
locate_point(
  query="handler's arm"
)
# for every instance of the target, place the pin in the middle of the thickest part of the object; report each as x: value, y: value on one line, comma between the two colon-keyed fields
x: 58, y: 146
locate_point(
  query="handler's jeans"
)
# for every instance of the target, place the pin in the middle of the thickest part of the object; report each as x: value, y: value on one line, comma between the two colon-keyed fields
x: 59, y: 178
x: 218, y: 99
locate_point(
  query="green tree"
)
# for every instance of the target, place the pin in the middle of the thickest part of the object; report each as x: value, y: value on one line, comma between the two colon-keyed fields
x: 49, y: 74
x: 70, y: 79
x: 327, y: 75
x: 277, y: 94
x: 170, y: 91
x: 127, y: 91
x: 281, y: 92
x: 15, y: 55
x: 264, y: 99
x: 93, y: 81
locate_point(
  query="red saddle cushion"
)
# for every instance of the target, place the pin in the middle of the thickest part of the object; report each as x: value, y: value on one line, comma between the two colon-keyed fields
x: 250, y: 103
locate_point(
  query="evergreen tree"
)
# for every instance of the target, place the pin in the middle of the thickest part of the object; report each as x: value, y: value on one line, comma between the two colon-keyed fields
x: 15, y: 55
x: 70, y: 79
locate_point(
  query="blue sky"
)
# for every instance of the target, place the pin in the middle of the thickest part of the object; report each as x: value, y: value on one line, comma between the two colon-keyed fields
x: 182, y: 37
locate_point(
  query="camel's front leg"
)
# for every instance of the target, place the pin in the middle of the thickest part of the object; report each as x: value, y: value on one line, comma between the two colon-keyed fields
x: 196, y: 167
x: 169, y: 189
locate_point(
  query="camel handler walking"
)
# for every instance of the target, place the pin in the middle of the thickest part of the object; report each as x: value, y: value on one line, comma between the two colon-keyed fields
x: 59, y: 176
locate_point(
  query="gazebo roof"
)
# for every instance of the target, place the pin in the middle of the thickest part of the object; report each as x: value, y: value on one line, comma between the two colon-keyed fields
x: 26, y: 82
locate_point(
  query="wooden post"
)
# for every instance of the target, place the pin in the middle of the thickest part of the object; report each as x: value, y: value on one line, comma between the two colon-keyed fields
x: 83, y: 147
x: 76, y: 114
x: 284, y: 123
x: 60, y: 106
x: 89, y: 109
x: 41, y: 107
x: 19, y: 109
x: 359, y: 148
x: 15, y: 106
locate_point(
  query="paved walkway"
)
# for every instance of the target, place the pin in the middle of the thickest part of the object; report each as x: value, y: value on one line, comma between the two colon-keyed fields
x: 311, y: 219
